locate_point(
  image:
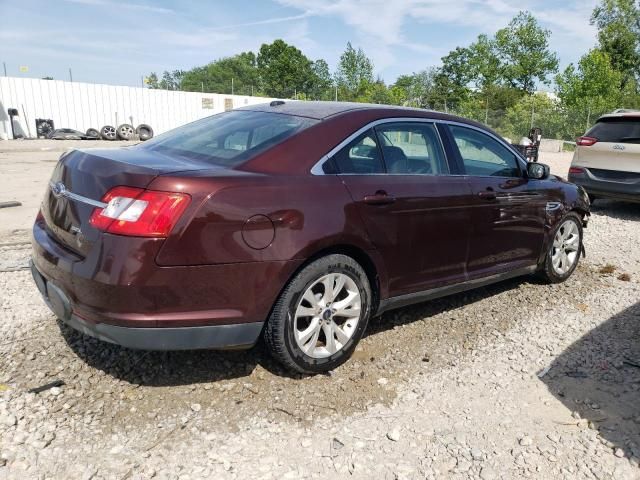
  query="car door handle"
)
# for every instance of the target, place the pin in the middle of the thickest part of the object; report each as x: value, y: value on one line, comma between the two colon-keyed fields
x: 380, y: 198
x: 488, y: 195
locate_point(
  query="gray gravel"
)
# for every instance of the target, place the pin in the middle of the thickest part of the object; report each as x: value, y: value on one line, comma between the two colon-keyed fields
x: 520, y: 379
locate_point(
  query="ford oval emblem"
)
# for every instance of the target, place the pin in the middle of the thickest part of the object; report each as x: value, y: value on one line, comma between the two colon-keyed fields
x: 58, y: 189
x: 618, y: 147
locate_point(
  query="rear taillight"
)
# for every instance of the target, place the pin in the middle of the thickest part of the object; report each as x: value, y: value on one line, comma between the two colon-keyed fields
x: 586, y: 141
x: 576, y: 170
x: 139, y: 213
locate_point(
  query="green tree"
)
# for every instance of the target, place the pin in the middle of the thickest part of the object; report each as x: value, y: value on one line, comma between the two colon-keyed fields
x: 415, y: 90
x: 322, y: 83
x: 238, y: 74
x: 589, y: 90
x: 284, y: 70
x: 171, y: 80
x: 618, y: 23
x: 152, y: 81
x: 354, y: 73
x: 374, y: 92
x: 538, y: 110
x: 523, y: 50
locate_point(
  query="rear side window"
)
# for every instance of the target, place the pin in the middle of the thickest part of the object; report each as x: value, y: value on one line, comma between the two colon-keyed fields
x: 229, y: 138
x: 412, y: 148
x: 361, y: 156
x: 616, y: 130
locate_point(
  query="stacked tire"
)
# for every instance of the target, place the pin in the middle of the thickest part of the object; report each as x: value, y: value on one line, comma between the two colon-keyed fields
x: 125, y: 131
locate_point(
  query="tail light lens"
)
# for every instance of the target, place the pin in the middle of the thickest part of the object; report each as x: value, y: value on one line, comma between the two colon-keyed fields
x: 139, y: 213
x: 576, y: 170
x: 586, y: 141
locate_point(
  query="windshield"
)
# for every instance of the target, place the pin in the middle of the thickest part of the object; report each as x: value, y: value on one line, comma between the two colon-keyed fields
x: 616, y: 130
x: 229, y: 138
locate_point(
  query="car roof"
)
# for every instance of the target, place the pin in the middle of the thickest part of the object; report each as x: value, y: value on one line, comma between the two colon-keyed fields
x: 621, y: 114
x: 321, y: 110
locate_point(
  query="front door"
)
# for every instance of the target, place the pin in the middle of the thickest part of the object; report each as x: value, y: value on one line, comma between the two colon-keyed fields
x: 508, y: 214
x: 415, y: 212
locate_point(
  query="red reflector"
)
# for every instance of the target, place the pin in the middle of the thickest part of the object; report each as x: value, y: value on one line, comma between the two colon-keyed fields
x: 586, y: 141
x: 139, y: 213
x: 576, y: 170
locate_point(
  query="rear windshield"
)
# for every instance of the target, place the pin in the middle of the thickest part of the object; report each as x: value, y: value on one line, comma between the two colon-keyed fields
x: 229, y: 138
x: 617, y: 130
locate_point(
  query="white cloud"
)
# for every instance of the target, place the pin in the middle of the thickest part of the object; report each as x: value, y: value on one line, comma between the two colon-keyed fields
x: 379, y: 25
x: 122, y: 5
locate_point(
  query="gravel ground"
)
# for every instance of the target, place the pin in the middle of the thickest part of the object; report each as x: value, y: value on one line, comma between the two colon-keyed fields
x: 516, y: 380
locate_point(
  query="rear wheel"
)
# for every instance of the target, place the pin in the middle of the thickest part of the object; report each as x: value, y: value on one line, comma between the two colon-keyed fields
x: 564, y: 253
x: 320, y: 316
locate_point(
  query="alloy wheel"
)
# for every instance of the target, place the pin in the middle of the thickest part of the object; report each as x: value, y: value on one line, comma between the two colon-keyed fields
x: 566, y: 247
x: 327, y: 315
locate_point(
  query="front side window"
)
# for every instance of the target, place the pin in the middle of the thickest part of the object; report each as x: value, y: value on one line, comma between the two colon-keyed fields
x: 229, y: 138
x: 361, y: 156
x: 412, y: 148
x: 484, y: 156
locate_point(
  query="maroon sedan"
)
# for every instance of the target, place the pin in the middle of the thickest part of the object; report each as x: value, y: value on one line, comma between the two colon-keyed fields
x: 296, y: 221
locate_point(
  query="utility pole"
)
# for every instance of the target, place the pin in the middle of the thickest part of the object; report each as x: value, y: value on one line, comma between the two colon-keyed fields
x: 336, y: 93
x: 70, y: 75
x: 142, y: 81
x: 4, y: 65
x: 252, y: 90
x: 588, y: 118
x: 202, y: 86
x: 486, y: 113
x: 231, y: 85
x: 533, y: 109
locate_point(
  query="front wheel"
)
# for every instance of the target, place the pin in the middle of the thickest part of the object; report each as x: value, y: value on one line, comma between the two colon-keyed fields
x: 563, y: 255
x: 320, y: 316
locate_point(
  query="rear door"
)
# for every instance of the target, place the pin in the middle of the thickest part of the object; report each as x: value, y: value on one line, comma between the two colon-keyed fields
x: 508, y: 213
x: 414, y: 210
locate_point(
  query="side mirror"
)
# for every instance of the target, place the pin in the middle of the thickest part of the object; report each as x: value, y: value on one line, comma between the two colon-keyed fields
x: 538, y: 171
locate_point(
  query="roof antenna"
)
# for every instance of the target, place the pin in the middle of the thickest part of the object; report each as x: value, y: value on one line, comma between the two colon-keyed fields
x: 275, y: 103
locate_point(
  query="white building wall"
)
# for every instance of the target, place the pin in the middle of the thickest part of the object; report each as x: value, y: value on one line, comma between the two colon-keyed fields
x: 86, y: 105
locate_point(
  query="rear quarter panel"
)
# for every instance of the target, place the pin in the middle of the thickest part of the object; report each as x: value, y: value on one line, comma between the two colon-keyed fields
x: 306, y: 214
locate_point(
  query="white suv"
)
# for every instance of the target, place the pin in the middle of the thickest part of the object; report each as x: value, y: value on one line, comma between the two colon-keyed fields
x: 606, y: 162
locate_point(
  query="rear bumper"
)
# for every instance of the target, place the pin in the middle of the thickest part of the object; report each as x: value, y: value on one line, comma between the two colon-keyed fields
x: 119, y: 294
x: 241, y: 335
x: 627, y: 191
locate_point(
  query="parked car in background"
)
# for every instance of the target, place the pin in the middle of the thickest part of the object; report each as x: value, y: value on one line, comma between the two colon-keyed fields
x: 607, y: 158
x: 296, y: 221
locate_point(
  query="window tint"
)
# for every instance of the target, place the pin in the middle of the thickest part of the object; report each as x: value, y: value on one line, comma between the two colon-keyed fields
x: 360, y: 156
x: 411, y: 148
x: 229, y: 138
x: 484, y: 156
x: 616, y: 130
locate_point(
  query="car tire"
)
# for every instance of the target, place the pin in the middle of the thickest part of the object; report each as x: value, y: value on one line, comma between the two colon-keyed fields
x: 144, y: 131
x: 93, y: 133
x: 566, y: 237
x: 125, y: 132
x: 288, y: 324
x: 108, y: 133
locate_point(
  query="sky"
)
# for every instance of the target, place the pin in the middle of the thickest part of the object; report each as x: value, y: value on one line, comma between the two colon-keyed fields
x: 118, y: 42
